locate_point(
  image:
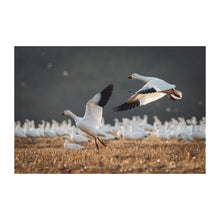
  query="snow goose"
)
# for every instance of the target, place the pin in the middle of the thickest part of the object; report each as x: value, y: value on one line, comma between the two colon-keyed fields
x: 40, y: 130
x: 33, y: 129
x: 48, y: 131
x: 184, y: 132
x: 154, y: 89
x: 27, y: 131
x: 77, y: 137
x: 91, y: 121
x: 145, y: 124
x: 57, y: 130
x: 116, y: 126
x: 108, y: 137
x: 70, y: 145
x: 156, y: 121
x: 129, y: 133
x: 19, y: 133
x: 197, y: 133
x: 17, y: 125
x: 160, y: 131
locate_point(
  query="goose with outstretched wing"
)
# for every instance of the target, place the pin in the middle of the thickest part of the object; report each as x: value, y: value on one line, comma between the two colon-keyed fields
x: 153, y: 90
x: 91, y: 121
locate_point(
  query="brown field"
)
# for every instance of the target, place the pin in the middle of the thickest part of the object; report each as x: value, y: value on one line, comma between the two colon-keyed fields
x: 47, y: 155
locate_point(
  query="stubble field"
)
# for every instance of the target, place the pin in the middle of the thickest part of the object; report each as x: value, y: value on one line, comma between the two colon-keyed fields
x: 47, y: 155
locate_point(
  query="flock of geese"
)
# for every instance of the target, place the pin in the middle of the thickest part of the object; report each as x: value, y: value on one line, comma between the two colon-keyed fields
x: 135, y: 128
x: 92, y: 123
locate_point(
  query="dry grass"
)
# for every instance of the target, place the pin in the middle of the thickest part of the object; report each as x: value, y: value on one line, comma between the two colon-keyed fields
x: 47, y: 155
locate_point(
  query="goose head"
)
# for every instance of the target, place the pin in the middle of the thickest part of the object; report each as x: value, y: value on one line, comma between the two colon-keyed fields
x: 66, y: 112
x: 134, y: 76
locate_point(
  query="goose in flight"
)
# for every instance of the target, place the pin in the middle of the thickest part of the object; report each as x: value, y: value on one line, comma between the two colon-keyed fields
x: 154, y: 89
x: 91, y: 121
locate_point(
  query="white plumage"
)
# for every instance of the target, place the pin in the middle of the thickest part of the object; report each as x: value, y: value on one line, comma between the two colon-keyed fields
x: 91, y: 121
x: 71, y: 145
x: 153, y: 90
x: 19, y: 133
x: 77, y: 137
x: 180, y: 129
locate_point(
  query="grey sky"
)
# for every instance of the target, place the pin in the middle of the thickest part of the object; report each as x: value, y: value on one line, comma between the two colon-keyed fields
x: 49, y: 80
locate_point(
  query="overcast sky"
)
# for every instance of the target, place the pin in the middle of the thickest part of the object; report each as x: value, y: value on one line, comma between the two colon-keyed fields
x: 49, y: 80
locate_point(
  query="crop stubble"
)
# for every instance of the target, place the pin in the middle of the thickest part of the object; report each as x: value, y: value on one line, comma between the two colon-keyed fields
x: 47, y: 155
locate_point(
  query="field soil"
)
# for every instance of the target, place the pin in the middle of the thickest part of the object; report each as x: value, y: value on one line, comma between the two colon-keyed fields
x: 48, y: 155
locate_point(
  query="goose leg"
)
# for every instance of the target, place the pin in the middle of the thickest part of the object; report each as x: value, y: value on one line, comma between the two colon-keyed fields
x: 97, y: 146
x: 102, y: 142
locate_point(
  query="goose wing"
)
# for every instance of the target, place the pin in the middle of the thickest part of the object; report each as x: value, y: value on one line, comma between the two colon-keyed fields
x: 148, y: 93
x: 94, y: 107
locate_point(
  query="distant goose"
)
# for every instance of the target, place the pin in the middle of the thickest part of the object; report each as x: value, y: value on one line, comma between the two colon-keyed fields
x: 57, y: 130
x: 91, y: 121
x: 154, y: 89
x: 160, y: 132
x: 184, y: 132
x: 77, y: 137
x: 70, y: 145
x: 129, y: 133
x: 48, y: 132
x: 156, y: 122
x: 19, y: 133
x: 27, y: 131
x: 18, y: 130
x: 108, y: 137
x: 145, y: 124
x: 197, y: 133
x: 33, y: 129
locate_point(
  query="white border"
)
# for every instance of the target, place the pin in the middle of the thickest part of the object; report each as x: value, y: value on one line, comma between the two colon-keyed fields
x: 119, y: 23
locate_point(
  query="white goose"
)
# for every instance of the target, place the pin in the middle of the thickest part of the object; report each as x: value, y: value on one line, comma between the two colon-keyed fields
x: 77, y: 137
x: 154, y: 89
x: 19, y: 133
x: 129, y: 133
x: 145, y: 124
x: 71, y: 145
x: 57, y: 130
x: 91, y: 121
x: 27, y: 131
x: 18, y: 130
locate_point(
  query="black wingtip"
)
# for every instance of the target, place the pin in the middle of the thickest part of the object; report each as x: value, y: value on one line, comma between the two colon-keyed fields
x: 105, y: 95
x: 150, y: 90
x: 126, y: 106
